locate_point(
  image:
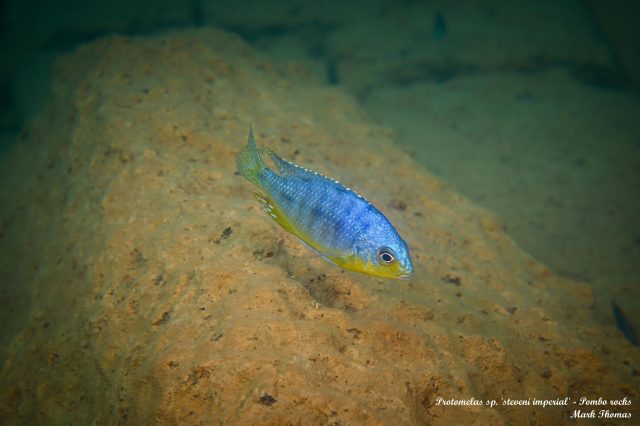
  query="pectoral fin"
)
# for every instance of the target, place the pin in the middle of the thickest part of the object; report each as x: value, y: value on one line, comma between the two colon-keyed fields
x: 346, y: 262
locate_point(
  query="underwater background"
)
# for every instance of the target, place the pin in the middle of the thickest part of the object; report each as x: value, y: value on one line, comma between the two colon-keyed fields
x: 141, y: 283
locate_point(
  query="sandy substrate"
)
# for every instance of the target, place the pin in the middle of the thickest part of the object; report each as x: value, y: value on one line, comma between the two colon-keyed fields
x: 142, y: 283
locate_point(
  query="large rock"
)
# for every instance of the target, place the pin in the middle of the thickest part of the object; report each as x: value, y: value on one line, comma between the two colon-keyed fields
x: 142, y: 284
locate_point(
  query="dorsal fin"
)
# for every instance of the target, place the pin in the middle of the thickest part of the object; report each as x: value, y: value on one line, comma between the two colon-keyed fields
x: 285, y: 167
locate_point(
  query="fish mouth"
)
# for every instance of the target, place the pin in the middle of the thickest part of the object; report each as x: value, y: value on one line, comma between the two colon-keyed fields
x: 405, y: 277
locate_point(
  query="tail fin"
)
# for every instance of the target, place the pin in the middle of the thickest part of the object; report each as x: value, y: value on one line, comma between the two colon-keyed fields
x: 249, y: 161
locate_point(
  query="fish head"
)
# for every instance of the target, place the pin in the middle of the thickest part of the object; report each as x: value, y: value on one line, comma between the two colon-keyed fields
x: 386, y: 257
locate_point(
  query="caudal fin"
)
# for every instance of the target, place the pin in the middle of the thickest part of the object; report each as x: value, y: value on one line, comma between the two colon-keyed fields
x: 249, y: 161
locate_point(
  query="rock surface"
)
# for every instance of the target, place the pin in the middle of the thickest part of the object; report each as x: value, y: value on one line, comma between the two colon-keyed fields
x: 144, y: 284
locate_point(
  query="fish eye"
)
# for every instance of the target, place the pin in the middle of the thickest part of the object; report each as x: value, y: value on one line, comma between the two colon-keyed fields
x: 386, y: 255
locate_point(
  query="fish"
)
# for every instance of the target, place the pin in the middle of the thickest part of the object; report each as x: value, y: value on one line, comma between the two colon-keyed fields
x: 624, y: 324
x: 439, y: 26
x: 330, y: 218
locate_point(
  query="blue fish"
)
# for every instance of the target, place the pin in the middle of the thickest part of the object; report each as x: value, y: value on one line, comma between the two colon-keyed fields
x: 332, y: 219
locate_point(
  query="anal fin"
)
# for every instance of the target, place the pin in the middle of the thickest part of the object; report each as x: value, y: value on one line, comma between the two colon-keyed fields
x: 275, y: 213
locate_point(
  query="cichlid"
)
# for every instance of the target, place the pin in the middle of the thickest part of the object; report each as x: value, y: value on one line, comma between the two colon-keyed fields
x: 333, y: 220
